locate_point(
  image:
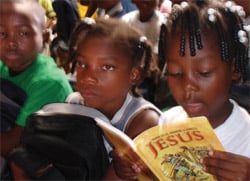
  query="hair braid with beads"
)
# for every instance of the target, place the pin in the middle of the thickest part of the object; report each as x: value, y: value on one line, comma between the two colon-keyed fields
x: 193, y: 17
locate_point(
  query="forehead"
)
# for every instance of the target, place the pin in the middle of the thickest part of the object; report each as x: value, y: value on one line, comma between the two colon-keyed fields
x: 102, y: 46
x: 145, y: 1
x: 209, y: 40
x: 28, y: 12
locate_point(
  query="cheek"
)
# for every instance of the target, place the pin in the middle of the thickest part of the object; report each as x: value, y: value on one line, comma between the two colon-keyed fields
x: 175, y: 87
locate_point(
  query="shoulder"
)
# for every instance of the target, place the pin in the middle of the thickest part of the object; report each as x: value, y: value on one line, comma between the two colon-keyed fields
x: 160, y: 17
x: 146, y: 119
x: 130, y: 15
x: 239, y: 113
x: 145, y: 116
x: 47, y: 69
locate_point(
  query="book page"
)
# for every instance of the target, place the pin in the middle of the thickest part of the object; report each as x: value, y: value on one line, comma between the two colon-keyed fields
x: 124, y: 144
x: 173, y: 151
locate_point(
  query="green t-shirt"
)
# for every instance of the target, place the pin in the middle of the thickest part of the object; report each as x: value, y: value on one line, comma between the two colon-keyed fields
x: 43, y: 83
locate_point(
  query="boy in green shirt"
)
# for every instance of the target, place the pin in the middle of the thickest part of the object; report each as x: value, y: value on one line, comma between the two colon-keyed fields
x: 22, y: 36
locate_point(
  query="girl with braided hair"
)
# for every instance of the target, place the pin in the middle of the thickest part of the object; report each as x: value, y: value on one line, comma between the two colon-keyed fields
x: 205, y: 47
x: 111, y: 59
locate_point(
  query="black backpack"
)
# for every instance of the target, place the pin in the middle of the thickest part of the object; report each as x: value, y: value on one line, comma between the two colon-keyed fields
x: 66, y: 137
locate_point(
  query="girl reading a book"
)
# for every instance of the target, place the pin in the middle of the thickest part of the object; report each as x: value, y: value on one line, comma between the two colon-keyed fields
x: 205, y: 47
x: 111, y: 59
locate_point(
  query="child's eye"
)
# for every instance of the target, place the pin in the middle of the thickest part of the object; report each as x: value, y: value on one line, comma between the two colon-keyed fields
x: 80, y: 64
x: 108, y: 68
x: 174, y: 74
x: 204, y: 74
x: 3, y: 35
x: 24, y: 34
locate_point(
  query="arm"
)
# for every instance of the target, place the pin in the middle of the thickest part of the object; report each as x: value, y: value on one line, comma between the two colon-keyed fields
x: 227, y: 166
x: 91, y: 9
x: 122, y: 168
x: 10, y: 140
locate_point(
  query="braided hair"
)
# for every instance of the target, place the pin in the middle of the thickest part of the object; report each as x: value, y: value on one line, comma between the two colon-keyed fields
x: 124, y: 38
x: 193, y: 17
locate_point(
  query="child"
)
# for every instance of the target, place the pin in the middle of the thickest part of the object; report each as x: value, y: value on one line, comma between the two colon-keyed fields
x: 205, y: 49
x: 112, y: 58
x: 148, y: 19
x: 22, y: 34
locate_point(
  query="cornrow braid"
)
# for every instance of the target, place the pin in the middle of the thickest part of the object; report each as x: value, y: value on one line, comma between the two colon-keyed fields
x: 161, y: 46
x: 197, y: 16
x: 241, y: 38
x: 144, y: 53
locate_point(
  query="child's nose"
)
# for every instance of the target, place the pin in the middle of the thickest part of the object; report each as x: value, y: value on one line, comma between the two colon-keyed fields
x: 88, y: 77
x: 12, y: 42
x: 189, y: 87
x: 12, y: 45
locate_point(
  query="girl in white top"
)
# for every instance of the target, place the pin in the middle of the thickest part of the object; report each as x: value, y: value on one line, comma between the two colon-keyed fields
x: 206, y: 48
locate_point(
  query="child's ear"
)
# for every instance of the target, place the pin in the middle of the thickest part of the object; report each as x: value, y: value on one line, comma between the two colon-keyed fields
x: 135, y: 75
x: 46, y: 36
x: 235, y: 75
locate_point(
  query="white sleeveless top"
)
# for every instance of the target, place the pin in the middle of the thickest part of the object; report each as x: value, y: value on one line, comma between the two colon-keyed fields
x: 234, y: 133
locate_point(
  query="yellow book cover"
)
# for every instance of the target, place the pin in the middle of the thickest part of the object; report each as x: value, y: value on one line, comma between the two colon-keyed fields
x: 171, y: 151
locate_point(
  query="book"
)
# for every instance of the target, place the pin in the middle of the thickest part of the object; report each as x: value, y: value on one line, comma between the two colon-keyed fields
x: 171, y: 151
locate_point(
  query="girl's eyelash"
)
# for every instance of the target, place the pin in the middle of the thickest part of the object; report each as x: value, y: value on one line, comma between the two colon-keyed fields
x: 80, y: 64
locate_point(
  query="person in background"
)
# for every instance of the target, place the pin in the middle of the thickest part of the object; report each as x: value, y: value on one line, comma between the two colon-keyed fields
x: 148, y: 19
x: 67, y: 17
x: 205, y: 50
x: 108, y: 52
x: 22, y: 35
x: 50, y: 16
x: 110, y: 8
x: 83, y: 8
x: 128, y: 5
x: 49, y: 13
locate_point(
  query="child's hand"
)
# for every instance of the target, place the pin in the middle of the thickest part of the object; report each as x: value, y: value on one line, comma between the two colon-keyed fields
x: 123, y: 167
x: 227, y: 166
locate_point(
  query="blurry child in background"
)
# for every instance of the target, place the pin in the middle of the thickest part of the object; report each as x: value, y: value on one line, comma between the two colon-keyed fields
x: 205, y: 50
x: 148, y: 19
x: 22, y: 35
x: 112, y: 58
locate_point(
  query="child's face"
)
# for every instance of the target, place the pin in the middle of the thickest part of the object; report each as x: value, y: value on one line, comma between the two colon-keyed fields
x: 20, y: 35
x: 201, y: 83
x: 104, y: 75
x: 146, y: 7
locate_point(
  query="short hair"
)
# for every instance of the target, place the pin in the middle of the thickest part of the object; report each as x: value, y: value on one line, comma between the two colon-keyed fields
x: 35, y: 9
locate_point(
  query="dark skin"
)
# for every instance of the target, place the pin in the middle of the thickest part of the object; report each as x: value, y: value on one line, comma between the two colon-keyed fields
x: 146, y: 8
x: 201, y: 85
x: 106, y: 4
x: 196, y: 84
x: 196, y: 81
x: 103, y: 79
x: 22, y: 36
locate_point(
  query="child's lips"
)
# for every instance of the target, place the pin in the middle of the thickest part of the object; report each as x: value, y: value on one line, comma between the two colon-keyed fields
x: 88, y: 94
x: 193, y: 107
x: 11, y: 56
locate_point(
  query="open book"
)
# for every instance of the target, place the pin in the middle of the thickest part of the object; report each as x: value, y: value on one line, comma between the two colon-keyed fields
x: 171, y: 151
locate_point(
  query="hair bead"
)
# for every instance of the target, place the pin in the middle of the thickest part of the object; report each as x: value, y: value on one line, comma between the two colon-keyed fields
x: 89, y: 21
